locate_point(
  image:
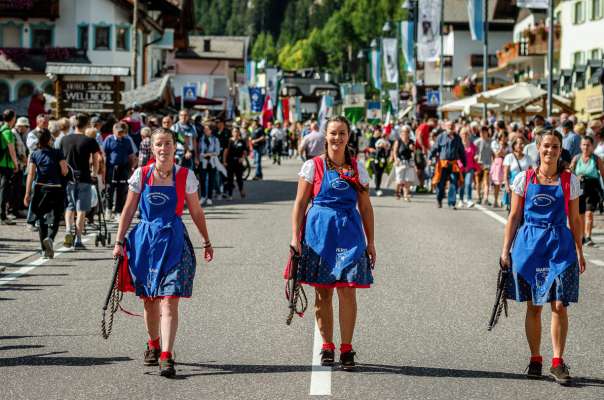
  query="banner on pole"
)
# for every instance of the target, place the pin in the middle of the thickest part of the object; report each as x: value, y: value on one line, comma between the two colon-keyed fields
x: 244, y: 99
x: 537, y: 4
x: 374, y: 112
x: 376, y: 69
x: 353, y: 94
x: 476, y: 19
x: 407, y: 43
x: 271, y: 83
x: 256, y: 99
x: 250, y: 73
x: 390, y: 46
x: 394, y: 96
x: 428, y: 36
x: 325, y: 112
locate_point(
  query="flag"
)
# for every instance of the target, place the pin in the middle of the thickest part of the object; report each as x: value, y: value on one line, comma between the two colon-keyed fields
x: 374, y: 112
x: 297, y: 109
x: 256, y: 99
x: 407, y: 43
x: 279, y: 113
x: 388, y: 123
x: 536, y: 4
x: 244, y: 99
x: 394, y: 99
x: 267, y: 110
x: 376, y: 69
x: 428, y: 35
x: 390, y: 46
x: 325, y: 111
x: 285, y: 108
x: 476, y: 19
x: 353, y: 94
x: 250, y: 73
x: 271, y: 83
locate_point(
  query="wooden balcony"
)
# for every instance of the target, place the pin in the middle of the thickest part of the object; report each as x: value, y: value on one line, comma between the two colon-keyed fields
x: 25, y: 9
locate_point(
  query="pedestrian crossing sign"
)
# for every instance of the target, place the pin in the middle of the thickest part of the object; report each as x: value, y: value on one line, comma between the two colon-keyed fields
x: 189, y: 92
x: 433, y: 97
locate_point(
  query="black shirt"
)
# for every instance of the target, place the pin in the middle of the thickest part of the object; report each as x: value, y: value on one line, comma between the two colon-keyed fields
x: 77, y: 149
x: 258, y: 133
x: 404, y: 151
x: 47, y: 162
x: 237, y: 149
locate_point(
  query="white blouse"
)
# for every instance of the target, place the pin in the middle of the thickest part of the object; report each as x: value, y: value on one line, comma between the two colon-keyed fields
x: 135, y: 181
x: 308, y: 172
x: 520, y: 181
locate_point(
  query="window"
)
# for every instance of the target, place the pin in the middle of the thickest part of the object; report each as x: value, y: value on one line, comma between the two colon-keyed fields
x: 596, y: 9
x: 41, y: 38
x: 4, y: 92
x: 102, y: 38
x: 83, y: 37
x: 595, y: 54
x: 476, y: 60
x: 579, y: 12
x: 10, y: 35
x: 207, y: 47
x: 122, y: 38
x: 578, y: 58
x: 25, y: 89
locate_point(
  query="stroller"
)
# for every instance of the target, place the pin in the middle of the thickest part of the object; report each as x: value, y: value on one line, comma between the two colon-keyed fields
x: 103, y: 236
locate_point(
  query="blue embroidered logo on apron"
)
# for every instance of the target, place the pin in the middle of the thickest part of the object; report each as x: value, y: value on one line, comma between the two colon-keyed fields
x: 543, y: 200
x: 157, y: 198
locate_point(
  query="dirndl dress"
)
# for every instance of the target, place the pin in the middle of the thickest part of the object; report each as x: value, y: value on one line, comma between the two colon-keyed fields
x: 496, y: 171
x: 334, y: 251
x: 544, y: 258
x: 160, y: 255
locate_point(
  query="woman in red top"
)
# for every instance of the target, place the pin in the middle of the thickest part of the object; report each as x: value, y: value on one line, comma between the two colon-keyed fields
x: 469, y: 170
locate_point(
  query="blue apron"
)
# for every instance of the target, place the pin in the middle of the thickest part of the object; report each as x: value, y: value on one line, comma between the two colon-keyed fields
x: 544, y: 246
x: 155, y: 244
x: 333, y: 227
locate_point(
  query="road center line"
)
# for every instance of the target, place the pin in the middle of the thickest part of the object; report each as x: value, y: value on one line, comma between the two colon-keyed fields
x: 6, y: 278
x: 320, y: 377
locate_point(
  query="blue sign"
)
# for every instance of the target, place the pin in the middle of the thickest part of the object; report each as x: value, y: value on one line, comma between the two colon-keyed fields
x: 256, y: 99
x: 189, y: 92
x: 433, y: 97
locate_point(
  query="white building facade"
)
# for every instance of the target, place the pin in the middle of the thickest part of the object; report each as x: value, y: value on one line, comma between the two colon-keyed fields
x: 582, y: 31
x: 95, y: 31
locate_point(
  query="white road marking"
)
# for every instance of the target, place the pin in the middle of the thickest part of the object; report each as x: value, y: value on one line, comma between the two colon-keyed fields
x: 503, y: 221
x: 320, y: 377
x: 6, y: 278
x: 491, y: 214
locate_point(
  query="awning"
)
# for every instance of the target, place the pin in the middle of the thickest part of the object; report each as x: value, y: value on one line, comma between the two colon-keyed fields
x: 86, y: 69
x: 201, y: 101
x: 148, y: 93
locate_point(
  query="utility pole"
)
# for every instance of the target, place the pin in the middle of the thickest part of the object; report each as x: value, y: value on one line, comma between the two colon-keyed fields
x: 442, y: 58
x: 134, y: 41
x: 550, y: 58
x: 485, y: 53
x: 415, y: 4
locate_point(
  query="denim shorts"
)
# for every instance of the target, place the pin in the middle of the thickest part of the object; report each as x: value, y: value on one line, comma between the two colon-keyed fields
x: 79, y: 198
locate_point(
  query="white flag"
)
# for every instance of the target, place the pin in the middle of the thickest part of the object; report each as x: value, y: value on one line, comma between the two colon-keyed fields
x: 428, y: 35
x: 390, y: 46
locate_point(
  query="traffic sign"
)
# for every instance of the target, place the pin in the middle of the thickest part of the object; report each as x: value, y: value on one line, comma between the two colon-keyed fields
x: 189, y: 92
x: 433, y: 97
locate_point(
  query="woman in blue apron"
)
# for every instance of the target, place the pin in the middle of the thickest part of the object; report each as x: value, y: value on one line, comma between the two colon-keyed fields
x: 159, y: 253
x: 336, y: 238
x: 546, y: 256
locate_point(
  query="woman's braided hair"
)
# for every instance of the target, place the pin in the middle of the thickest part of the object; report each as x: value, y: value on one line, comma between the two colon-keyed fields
x: 348, y: 160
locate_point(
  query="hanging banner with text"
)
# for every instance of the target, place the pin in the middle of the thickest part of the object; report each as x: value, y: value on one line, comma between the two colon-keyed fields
x: 428, y: 35
x: 407, y: 43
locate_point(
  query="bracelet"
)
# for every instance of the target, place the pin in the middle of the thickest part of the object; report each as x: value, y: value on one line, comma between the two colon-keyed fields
x: 207, y: 244
x: 119, y: 243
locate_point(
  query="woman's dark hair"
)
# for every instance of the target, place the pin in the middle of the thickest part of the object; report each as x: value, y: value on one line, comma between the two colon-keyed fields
x: 44, y: 139
x: 589, y: 139
x: 551, y: 132
x: 347, y: 153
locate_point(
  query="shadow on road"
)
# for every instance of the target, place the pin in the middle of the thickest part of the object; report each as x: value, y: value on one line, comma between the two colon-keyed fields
x: 11, y: 287
x: 461, y: 373
x: 21, y: 347
x: 204, y: 369
x: 52, y: 359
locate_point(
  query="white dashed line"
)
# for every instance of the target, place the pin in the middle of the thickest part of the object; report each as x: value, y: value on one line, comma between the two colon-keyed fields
x: 320, y: 377
x: 11, y: 276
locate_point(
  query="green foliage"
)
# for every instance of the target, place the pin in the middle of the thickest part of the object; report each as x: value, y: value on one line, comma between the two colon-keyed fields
x: 324, y: 34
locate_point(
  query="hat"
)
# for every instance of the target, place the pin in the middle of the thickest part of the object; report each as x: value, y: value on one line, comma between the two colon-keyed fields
x: 22, y: 121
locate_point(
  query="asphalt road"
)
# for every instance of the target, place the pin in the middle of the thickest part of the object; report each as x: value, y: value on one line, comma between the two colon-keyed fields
x: 421, y: 331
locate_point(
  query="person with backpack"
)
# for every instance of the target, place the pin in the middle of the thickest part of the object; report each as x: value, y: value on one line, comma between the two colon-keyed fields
x: 47, y: 167
x: 545, y: 256
x: 9, y: 164
x: 589, y: 168
x: 159, y: 255
x: 334, y: 238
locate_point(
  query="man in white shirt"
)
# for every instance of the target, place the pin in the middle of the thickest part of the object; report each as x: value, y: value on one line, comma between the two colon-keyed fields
x: 313, y: 144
